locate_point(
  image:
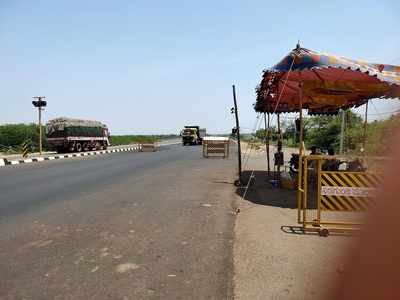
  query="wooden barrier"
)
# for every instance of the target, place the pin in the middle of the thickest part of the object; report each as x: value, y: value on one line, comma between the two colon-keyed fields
x: 149, y: 147
x: 216, y: 147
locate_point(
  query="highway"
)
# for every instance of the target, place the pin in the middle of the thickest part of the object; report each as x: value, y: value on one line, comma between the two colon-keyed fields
x: 118, y: 226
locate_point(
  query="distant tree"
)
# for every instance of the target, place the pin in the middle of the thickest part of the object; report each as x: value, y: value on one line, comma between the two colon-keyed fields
x: 324, y: 131
x: 260, y: 134
x: 13, y: 135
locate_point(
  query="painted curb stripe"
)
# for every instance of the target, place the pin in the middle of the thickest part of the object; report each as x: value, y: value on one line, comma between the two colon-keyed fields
x: 5, y: 162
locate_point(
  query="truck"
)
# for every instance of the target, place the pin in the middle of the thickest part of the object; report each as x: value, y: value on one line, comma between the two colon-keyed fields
x: 70, y: 135
x: 193, y: 135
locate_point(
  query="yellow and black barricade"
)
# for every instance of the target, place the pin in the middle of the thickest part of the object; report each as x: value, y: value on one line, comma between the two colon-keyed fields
x: 25, y: 149
x: 334, y: 200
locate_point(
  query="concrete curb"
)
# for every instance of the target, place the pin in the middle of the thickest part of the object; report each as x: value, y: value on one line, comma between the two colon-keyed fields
x: 6, y: 162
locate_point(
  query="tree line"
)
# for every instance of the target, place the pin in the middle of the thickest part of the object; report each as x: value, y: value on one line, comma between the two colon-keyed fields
x: 12, y: 136
x: 324, y: 132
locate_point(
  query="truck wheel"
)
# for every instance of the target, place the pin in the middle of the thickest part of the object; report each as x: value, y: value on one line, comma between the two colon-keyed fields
x: 78, y: 147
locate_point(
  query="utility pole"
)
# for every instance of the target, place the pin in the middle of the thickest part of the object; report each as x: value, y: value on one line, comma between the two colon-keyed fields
x: 235, y: 110
x: 342, y: 132
x: 40, y: 104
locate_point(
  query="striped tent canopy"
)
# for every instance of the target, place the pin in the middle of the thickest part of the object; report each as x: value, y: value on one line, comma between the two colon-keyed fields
x: 328, y: 82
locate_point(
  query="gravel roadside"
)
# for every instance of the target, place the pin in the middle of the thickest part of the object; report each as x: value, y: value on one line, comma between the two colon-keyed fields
x: 270, y: 262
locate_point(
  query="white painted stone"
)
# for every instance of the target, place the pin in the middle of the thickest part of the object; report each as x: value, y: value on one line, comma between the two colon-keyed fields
x: 123, y: 268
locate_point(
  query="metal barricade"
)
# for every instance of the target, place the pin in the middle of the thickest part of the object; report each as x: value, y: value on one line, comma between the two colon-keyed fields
x: 333, y: 200
x: 216, y: 146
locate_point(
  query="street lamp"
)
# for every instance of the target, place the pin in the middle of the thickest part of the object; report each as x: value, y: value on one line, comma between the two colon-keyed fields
x: 39, y: 104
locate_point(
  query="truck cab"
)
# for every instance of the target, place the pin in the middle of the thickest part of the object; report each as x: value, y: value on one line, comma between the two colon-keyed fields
x: 192, y: 135
x: 189, y: 136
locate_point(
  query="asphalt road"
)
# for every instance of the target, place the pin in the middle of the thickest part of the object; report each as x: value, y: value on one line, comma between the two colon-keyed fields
x: 118, y: 226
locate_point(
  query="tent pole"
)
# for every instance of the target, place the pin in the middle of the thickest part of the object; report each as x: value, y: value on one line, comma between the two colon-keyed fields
x: 267, y: 139
x: 278, y: 166
x: 300, y: 170
x: 279, y: 127
x: 342, y: 133
x: 301, y: 142
x: 365, y: 128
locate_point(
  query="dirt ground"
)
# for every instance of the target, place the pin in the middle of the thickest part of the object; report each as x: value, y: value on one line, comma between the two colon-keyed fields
x: 272, y: 258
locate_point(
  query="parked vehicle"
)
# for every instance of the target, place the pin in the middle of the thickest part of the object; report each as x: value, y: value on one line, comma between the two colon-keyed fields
x: 69, y: 135
x: 193, y: 135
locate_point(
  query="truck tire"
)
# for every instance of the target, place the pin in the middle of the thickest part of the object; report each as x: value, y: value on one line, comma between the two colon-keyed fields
x: 78, y: 147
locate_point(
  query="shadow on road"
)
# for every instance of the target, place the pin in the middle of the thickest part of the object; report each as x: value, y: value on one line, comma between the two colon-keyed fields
x: 260, y: 191
x: 299, y: 230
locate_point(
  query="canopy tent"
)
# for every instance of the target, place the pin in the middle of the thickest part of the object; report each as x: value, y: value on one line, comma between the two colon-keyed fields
x: 324, y: 83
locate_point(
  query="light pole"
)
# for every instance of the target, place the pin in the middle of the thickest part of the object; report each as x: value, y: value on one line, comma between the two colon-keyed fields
x: 39, y: 104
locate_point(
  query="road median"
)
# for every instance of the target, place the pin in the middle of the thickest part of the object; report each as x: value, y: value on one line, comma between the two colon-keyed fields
x: 7, y: 162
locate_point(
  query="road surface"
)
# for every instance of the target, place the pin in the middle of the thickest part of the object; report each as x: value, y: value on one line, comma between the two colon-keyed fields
x: 118, y: 226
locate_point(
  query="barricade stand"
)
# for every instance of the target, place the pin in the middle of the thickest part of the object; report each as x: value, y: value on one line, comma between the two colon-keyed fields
x: 149, y: 147
x: 216, y: 146
x: 333, y: 201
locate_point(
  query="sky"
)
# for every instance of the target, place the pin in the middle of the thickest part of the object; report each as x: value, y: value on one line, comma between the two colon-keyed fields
x: 149, y: 67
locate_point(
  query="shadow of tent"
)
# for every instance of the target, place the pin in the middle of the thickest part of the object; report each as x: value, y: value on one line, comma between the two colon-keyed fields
x: 261, y: 192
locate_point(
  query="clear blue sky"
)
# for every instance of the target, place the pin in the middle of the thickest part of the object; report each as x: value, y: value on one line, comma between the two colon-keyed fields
x: 154, y: 66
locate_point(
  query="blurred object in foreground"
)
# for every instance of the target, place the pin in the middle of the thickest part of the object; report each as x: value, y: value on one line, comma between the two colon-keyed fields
x: 373, y: 267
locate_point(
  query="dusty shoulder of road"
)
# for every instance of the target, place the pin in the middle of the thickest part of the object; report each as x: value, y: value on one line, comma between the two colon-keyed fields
x: 270, y: 260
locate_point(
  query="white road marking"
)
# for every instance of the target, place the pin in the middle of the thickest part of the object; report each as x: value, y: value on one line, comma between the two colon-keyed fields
x: 123, y: 268
x: 94, y: 269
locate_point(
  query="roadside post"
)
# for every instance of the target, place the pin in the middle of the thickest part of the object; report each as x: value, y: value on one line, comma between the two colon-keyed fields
x: 40, y: 104
x: 25, y: 149
x: 239, y: 181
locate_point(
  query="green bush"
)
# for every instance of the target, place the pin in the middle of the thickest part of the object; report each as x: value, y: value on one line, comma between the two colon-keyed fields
x: 13, y: 135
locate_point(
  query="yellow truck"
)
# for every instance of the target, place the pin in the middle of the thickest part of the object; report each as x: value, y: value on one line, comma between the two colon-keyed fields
x: 193, y: 135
